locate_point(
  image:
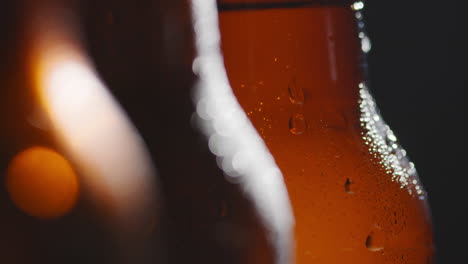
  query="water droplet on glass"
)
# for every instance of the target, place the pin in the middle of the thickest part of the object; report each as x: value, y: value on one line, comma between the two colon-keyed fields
x: 366, y: 44
x: 296, y: 95
x: 358, y: 15
x: 374, y: 241
x: 390, y: 136
x: 297, y: 124
x: 347, y: 186
x: 360, y: 25
x: 376, y: 118
x: 359, y: 5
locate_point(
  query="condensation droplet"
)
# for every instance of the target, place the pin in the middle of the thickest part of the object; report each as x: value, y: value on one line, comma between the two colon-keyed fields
x: 347, y: 186
x: 374, y: 241
x: 297, y: 124
x: 296, y: 95
x: 366, y: 44
x: 390, y: 136
x: 358, y: 15
x: 358, y: 5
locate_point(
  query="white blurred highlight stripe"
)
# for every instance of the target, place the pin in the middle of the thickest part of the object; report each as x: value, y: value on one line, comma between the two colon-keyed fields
x: 241, y: 152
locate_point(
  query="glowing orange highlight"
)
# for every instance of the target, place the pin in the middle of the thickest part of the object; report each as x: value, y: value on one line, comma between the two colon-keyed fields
x: 42, y: 183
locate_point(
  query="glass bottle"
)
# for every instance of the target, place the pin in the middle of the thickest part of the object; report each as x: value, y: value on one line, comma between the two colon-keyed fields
x: 297, y: 69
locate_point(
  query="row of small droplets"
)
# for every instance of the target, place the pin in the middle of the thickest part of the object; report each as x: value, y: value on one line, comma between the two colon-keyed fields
x: 384, y: 147
x: 378, y: 136
x: 366, y: 45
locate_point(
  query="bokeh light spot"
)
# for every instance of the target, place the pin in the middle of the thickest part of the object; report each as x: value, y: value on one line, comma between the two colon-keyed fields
x: 42, y: 183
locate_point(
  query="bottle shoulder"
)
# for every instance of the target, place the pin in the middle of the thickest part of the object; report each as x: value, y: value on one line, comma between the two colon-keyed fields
x: 351, y: 135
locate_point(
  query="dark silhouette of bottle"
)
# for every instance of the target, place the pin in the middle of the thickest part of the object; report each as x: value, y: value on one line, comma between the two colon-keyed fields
x: 67, y: 195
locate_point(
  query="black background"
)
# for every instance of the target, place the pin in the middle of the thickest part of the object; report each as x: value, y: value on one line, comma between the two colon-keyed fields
x: 419, y: 76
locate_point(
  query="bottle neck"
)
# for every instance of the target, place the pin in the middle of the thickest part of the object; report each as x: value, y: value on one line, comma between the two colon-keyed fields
x: 310, y: 54
x: 270, y: 3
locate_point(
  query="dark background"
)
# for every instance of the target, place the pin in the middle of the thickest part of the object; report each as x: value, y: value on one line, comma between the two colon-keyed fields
x: 419, y: 76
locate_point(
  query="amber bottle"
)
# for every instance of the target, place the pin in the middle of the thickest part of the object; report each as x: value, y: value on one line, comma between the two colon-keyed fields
x: 296, y: 68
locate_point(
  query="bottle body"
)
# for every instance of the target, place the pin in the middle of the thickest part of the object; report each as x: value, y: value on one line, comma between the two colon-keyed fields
x: 297, y: 72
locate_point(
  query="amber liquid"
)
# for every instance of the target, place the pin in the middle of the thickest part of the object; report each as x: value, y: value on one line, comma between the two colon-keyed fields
x: 295, y: 70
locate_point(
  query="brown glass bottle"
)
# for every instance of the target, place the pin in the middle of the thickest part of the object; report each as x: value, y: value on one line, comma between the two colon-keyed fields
x: 296, y: 69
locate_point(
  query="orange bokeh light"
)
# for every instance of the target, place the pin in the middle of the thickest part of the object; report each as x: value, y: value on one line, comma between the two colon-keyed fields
x: 42, y: 183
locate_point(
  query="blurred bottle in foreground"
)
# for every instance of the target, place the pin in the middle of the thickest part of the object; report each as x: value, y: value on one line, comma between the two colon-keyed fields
x: 67, y: 192
x: 296, y: 68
